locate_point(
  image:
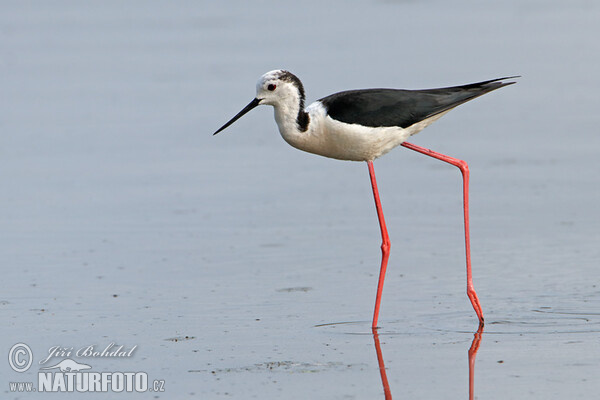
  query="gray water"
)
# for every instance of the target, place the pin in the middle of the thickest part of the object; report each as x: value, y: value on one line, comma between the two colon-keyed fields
x: 242, y: 268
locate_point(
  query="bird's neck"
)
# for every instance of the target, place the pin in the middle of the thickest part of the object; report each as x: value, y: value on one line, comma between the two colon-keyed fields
x: 293, y: 121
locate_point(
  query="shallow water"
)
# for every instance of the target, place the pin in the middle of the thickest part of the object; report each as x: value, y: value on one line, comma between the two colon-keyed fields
x: 242, y: 268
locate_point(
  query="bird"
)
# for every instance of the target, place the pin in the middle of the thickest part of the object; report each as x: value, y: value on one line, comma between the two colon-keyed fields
x: 363, y: 125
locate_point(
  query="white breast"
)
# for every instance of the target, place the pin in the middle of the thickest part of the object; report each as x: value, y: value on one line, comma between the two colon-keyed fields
x: 334, y: 139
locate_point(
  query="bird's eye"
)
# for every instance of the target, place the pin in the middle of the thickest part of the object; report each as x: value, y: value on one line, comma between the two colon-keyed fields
x: 271, y: 87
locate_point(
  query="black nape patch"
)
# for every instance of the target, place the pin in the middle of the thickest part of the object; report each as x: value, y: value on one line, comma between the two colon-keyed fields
x: 302, y: 119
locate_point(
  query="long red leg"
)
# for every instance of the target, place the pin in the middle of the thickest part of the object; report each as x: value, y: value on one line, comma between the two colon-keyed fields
x: 464, y: 169
x: 385, y: 244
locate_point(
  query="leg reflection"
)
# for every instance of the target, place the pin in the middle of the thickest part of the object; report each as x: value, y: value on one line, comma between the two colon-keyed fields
x: 472, y: 353
x: 384, y: 381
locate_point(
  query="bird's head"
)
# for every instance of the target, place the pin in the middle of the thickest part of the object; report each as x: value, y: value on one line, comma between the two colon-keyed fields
x: 279, y: 86
x: 274, y: 88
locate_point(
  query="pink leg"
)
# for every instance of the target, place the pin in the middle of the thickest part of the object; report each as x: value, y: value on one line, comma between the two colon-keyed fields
x: 464, y: 169
x: 385, y: 245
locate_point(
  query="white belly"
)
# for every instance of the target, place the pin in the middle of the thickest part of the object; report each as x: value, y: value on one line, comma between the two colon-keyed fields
x: 330, y: 138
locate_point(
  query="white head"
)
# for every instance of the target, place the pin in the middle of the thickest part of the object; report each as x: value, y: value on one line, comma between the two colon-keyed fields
x: 275, y: 88
x: 279, y: 86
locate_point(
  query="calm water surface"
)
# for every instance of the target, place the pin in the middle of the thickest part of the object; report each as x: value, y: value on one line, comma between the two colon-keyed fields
x: 242, y: 268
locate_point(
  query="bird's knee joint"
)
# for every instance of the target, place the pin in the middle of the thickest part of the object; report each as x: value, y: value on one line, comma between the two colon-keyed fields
x: 385, y: 246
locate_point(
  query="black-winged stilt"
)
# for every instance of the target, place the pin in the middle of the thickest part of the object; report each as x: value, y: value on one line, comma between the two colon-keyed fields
x: 362, y: 125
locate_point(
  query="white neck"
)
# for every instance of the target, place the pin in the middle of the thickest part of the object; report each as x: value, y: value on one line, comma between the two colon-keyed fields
x: 286, y: 114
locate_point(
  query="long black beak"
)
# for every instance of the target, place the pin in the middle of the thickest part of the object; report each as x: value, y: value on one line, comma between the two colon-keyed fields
x: 249, y: 107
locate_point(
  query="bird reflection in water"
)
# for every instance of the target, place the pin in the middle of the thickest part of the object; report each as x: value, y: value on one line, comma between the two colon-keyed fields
x: 472, y: 353
x: 384, y: 380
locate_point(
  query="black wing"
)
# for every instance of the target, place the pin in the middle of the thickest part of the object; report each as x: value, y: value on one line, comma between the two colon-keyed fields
x: 398, y: 107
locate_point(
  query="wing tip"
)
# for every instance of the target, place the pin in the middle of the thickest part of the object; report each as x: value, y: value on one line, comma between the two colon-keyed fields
x: 493, y: 82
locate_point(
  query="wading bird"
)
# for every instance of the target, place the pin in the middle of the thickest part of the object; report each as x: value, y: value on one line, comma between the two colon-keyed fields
x: 362, y: 125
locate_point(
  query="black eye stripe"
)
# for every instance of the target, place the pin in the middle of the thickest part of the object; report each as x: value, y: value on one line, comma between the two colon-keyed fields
x: 271, y: 87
